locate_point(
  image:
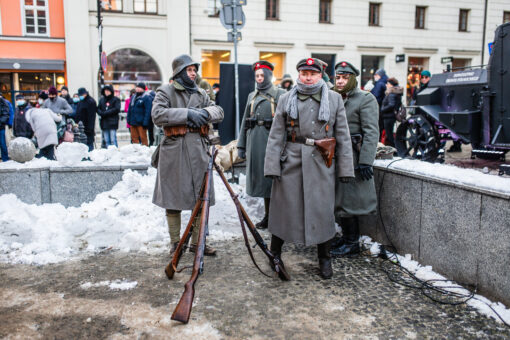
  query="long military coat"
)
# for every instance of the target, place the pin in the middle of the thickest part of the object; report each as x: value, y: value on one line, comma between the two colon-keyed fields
x: 182, y: 160
x: 359, y: 197
x: 254, y: 141
x: 303, y: 198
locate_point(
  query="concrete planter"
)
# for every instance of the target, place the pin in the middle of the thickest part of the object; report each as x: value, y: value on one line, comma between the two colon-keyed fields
x: 70, y: 186
x: 462, y: 231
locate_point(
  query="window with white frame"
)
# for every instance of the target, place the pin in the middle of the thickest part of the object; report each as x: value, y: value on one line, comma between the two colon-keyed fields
x: 35, y: 15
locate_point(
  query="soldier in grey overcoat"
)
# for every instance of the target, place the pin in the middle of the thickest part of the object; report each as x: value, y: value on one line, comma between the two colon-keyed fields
x: 302, y: 206
x: 257, y: 120
x: 358, y: 197
x: 183, y: 159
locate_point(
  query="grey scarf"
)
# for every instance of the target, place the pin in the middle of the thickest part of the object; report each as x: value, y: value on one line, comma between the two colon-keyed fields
x: 267, y: 83
x: 292, y: 107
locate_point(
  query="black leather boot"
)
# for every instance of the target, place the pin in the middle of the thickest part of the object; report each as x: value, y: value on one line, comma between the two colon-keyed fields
x: 350, y: 229
x: 337, y: 241
x: 276, y: 249
x: 323, y: 252
x: 263, y: 223
x: 174, y: 248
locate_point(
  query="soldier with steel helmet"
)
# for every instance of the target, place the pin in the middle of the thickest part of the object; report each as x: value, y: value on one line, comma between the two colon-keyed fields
x: 358, y: 197
x: 257, y: 120
x: 183, y: 111
x: 303, y: 192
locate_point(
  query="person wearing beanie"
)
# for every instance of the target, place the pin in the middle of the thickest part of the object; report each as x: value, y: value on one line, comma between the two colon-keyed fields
x: 257, y: 119
x: 108, y: 110
x: 356, y: 198
x: 64, y: 93
x: 42, y: 96
x: 302, y: 206
x: 20, y: 126
x: 379, y: 90
x: 286, y: 82
x: 86, y: 113
x: 390, y: 105
x: 139, y: 115
x: 183, y: 110
x: 57, y: 104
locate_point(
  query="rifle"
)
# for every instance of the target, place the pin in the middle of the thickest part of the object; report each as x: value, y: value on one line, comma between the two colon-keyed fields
x: 183, y: 309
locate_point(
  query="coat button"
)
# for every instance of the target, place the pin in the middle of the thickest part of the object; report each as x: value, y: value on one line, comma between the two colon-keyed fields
x: 311, y: 110
x: 313, y: 122
x: 313, y: 133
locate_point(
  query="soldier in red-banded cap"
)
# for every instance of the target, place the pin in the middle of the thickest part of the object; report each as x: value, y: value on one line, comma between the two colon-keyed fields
x: 257, y: 120
x: 358, y: 197
x: 303, y: 193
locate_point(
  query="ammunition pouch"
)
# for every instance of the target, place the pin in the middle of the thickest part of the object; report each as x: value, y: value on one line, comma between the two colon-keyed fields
x: 357, y: 141
x: 326, y: 146
x: 252, y: 122
x: 182, y: 130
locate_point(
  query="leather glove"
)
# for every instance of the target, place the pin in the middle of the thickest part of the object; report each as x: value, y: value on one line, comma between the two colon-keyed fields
x: 241, y: 153
x: 205, y: 114
x: 195, y: 119
x: 366, y: 171
x: 346, y: 179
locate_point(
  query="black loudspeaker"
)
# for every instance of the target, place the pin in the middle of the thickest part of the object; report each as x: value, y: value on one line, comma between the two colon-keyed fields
x: 227, y: 100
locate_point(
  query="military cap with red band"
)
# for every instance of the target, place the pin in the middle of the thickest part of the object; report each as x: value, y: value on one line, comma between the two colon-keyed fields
x: 312, y: 64
x: 346, y: 67
x: 263, y: 64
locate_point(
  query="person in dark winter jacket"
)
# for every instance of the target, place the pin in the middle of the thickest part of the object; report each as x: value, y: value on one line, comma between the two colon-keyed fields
x: 108, y: 111
x: 390, y: 105
x: 286, y: 82
x: 139, y: 115
x: 20, y: 126
x: 6, y: 118
x: 379, y: 91
x: 64, y: 93
x: 86, y: 113
x: 74, y: 105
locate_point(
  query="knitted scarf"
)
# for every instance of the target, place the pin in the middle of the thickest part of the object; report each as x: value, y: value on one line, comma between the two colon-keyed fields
x: 292, y: 103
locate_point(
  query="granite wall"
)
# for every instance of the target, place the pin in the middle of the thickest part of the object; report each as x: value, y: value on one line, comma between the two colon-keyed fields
x: 462, y: 232
x: 70, y: 186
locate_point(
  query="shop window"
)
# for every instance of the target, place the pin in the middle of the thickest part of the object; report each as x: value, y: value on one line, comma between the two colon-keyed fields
x: 213, y: 7
x: 272, y: 10
x: 415, y: 67
x: 419, y: 19
x: 278, y: 60
x: 112, y: 5
x: 463, y: 20
x: 325, y: 11
x: 506, y: 17
x: 459, y: 64
x: 35, y: 13
x: 374, y: 14
x: 210, y: 64
x: 370, y: 64
x: 328, y: 59
x: 5, y: 86
x: 145, y: 6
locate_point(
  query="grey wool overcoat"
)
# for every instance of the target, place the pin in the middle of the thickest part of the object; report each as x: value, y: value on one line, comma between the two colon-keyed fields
x: 302, y: 206
x: 182, y: 160
x: 359, y: 197
x: 254, y: 140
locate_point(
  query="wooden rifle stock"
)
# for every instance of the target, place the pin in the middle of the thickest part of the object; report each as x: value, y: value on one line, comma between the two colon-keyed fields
x: 183, y: 310
x: 243, y: 217
x: 171, y: 267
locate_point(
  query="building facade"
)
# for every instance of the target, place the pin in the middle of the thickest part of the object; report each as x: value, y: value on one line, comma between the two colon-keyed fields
x: 32, y: 47
x: 141, y: 37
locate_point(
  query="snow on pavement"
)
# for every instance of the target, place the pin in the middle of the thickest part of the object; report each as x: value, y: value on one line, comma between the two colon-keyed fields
x: 426, y: 273
x: 113, y: 285
x: 123, y: 218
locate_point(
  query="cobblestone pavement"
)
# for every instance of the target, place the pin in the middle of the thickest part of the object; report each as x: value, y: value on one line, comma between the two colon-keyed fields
x: 232, y: 301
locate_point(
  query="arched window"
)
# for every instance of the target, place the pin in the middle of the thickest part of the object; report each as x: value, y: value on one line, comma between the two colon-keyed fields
x: 129, y: 66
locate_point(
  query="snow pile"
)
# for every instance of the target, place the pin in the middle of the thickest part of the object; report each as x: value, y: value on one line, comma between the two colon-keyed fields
x: 73, y: 154
x: 69, y: 154
x: 113, y: 285
x: 451, y: 173
x: 123, y: 218
x: 426, y: 273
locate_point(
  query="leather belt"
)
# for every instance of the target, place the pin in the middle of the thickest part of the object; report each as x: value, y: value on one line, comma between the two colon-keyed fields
x: 182, y: 130
x: 301, y: 140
